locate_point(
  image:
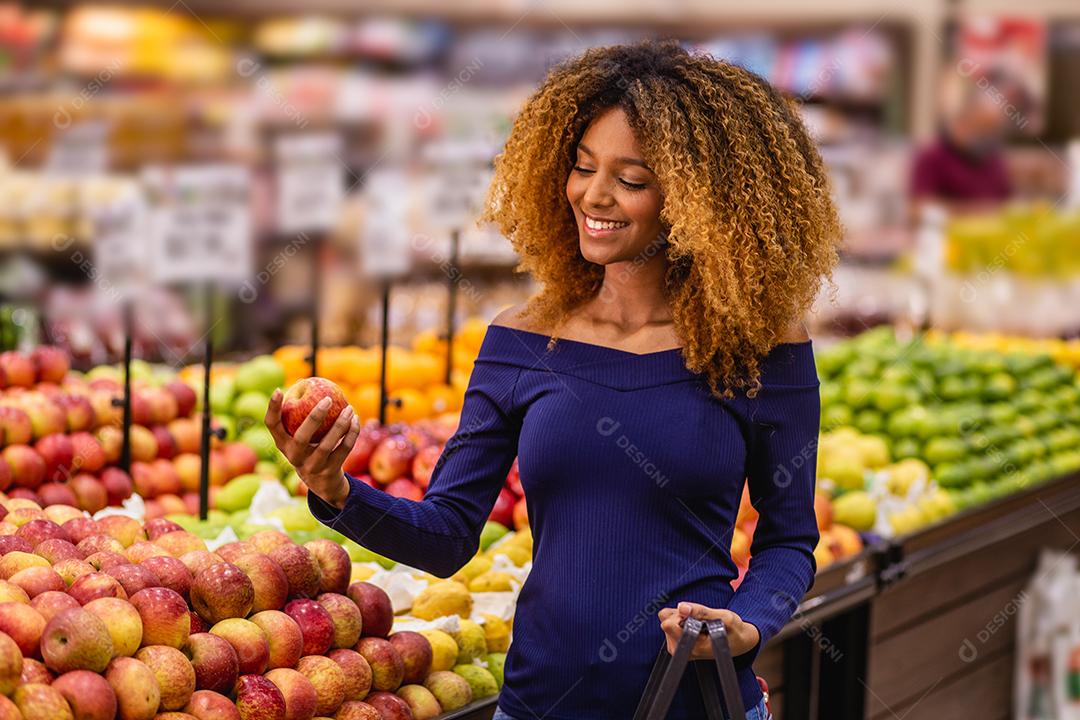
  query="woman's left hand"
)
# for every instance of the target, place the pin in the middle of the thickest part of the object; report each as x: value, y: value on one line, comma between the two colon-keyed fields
x: 742, y: 636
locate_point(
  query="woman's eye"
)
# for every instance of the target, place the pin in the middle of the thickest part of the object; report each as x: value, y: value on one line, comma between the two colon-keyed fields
x: 633, y: 186
x: 583, y: 171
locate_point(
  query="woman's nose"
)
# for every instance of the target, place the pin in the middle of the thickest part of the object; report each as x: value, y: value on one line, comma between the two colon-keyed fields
x: 597, y: 194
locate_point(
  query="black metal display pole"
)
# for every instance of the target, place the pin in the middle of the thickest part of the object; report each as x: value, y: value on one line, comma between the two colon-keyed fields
x: 316, y: 292
x: 384, y: 344
x: 128, y: 312
x: 451, y: 301
x: 204, y: 447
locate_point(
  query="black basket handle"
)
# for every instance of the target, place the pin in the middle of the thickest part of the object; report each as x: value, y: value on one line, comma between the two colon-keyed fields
x: 669, y: 668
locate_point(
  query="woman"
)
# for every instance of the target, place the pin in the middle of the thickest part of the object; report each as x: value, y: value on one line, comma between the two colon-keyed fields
x: 678, y: 220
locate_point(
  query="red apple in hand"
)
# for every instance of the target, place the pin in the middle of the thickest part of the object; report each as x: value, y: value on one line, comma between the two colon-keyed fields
x: 301, y: 399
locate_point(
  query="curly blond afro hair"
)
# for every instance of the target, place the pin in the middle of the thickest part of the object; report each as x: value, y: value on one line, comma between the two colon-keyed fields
x: 752, y: 231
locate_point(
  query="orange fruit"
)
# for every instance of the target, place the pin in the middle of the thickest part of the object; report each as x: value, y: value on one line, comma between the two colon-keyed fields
x: 414, y: 406
x: 442, y: 398
x: 471, y: 334
x: 428, y: 341
x: 364, y: 400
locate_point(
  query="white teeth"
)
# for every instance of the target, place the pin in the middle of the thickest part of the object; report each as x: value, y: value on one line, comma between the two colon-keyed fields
x: 602, y: 224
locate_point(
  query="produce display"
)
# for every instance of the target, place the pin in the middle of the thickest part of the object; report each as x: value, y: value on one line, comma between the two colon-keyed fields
x: 259, y: 611
x: 964, y: 426
x: 59, y: 433
x: 1066, y: 352
x: 415, y: 377
x: 1035, y: 240
x: 116, y: 618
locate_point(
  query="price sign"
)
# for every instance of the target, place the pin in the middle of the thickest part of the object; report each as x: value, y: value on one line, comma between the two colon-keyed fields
x: 82, y: 149
x: 200, y: 223
x: 456, y: 185
x: 385, y: 247
x: 310, y: 181
x: 120, y: 253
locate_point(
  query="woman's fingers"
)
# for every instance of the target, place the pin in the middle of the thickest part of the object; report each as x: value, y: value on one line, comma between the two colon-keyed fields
x: 336, y: 432
x: 337, y: 457
x: 311, y: 423
x: 672, y: 619
x: 672, y: 630
x: 273, y: 421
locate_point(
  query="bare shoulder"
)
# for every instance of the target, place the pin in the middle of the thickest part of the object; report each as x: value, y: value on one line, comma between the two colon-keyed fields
x: 512, y: 317
x: 795, y: 333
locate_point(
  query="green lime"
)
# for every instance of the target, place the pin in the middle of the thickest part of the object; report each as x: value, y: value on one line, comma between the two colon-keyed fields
x: 950, y: 475
x: 834, y: 416
x: 907, y: 448
x: 858, y: 392
x: 944, y: 450
x: 869, y: 421
x: 999, y: 386
x: 888, y: 397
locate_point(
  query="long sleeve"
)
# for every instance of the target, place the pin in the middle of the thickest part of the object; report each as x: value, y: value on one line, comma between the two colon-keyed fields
x: 441, y: 533
x: 781, y: 475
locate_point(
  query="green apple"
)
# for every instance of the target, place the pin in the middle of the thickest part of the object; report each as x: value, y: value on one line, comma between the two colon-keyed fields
x: 251, y: 404
x: 222, y: 391
x: 260, y: 374
x: 358, y: 553
x: 268, y: 468
x: 291, y: 481
x: 495, y: 663
x: 492, y: 531
x: 259, y: 439
x: 238, y: 492
x: 296, y: 518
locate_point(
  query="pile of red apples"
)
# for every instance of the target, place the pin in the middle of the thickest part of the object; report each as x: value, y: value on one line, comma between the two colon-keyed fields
x: 400, y: 459
x: 114, y: 618
x: 61, y: 438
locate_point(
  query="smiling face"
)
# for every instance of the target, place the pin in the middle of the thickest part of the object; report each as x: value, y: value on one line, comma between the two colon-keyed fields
x: 615, y: 196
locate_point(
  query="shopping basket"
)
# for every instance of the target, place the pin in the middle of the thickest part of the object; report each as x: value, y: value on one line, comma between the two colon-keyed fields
x: 669, y: 668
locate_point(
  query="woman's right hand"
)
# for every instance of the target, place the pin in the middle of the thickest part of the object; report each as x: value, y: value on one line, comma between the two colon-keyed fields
x: 317, y: 464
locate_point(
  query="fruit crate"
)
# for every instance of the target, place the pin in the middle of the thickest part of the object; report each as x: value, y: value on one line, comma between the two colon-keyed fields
x: 941, y: 639
x: 981, y: 526
x: 839, y: 586
x: 479, y: 710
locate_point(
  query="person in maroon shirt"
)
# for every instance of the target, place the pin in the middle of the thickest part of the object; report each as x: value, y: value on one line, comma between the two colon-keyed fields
x: 965, y: 166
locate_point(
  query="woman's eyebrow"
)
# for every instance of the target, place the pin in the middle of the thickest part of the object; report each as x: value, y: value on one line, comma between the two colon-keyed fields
x: 623, y: 160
